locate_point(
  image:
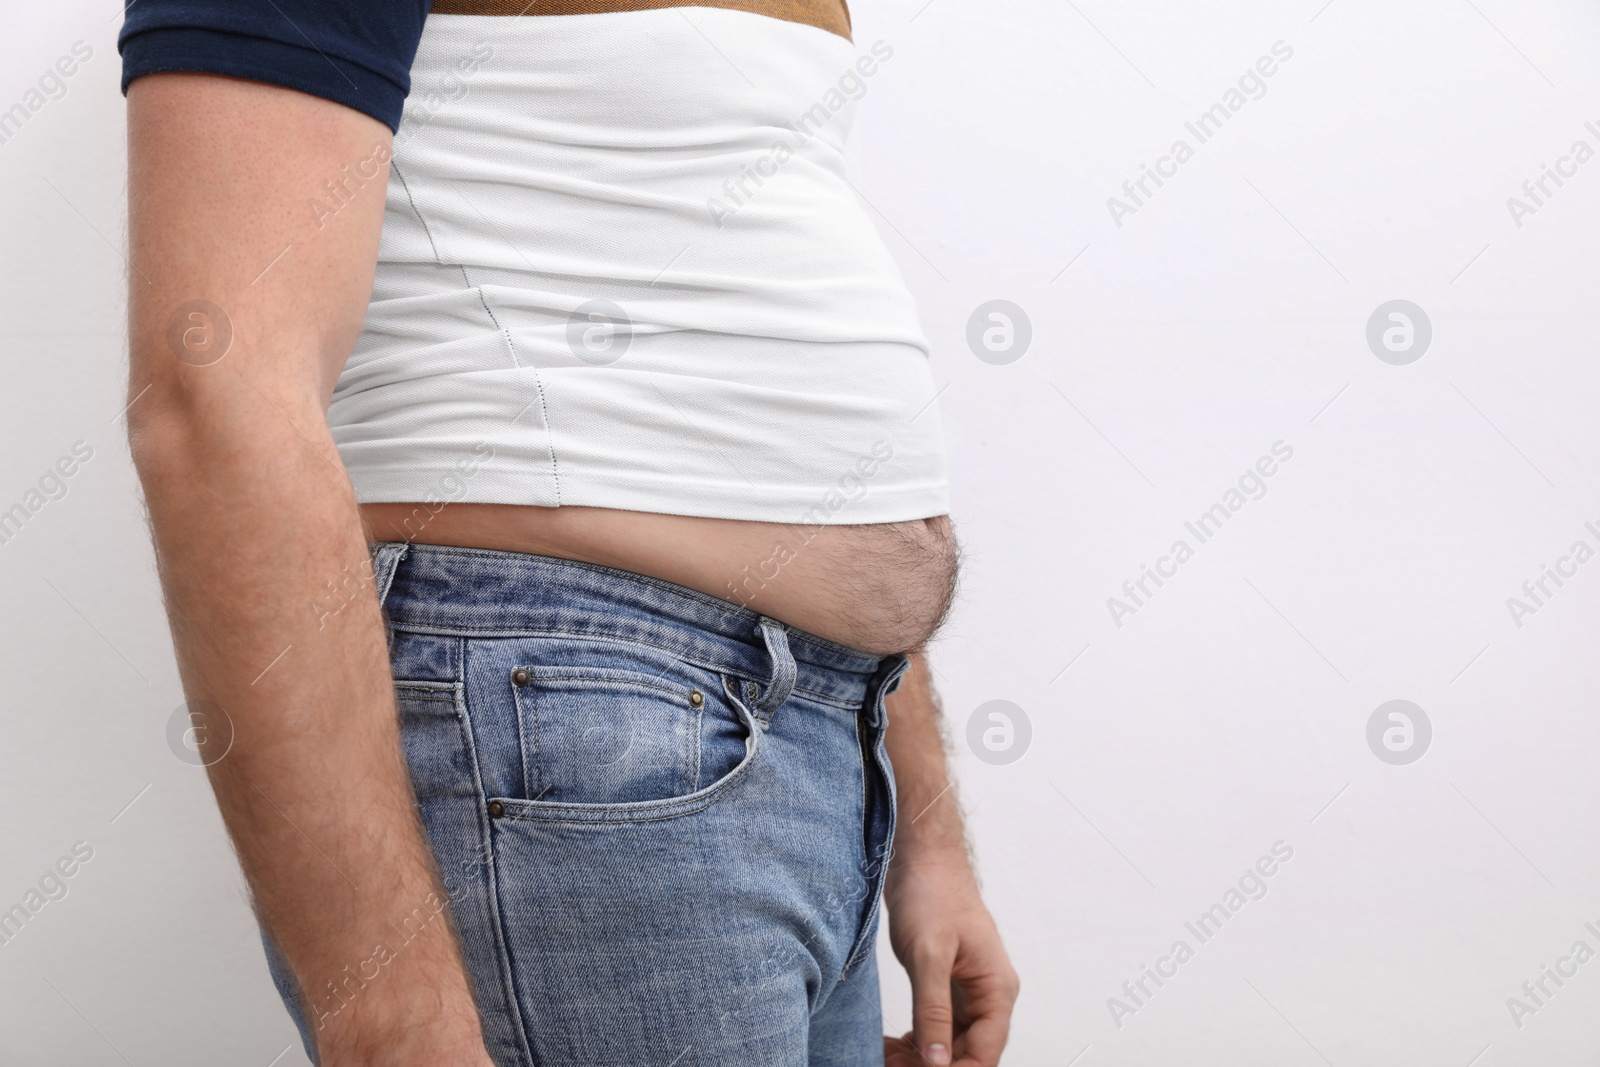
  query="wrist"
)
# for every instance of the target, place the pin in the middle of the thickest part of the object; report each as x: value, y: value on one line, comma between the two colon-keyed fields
x: 400, y: 1019
x: 942, y: 859
x: 417, y: 1039
x: 937, y: 844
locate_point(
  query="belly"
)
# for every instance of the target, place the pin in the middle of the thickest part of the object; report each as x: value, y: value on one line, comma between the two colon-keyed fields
x: 681, y: 305
x: 880, y: 588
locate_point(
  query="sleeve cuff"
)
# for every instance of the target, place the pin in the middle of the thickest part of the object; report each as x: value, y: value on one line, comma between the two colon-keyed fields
x: 264, y: 60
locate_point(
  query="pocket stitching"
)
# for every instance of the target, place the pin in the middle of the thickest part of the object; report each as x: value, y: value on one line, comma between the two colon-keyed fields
x: 527, y: 733
x: 601, y: 679
x: 516, y: 809
x: 696, y: 742
x: 523, y: 698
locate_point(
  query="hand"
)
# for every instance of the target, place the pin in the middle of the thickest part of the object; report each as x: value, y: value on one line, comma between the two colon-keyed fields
x: 963, y: 986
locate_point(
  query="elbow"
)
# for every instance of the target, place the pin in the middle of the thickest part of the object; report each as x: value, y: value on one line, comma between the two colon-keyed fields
x: 163, y: 437
x: 213, y: 417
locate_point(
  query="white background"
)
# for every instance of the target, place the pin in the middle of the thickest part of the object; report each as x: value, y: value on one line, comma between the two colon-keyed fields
x: 1229, y: 312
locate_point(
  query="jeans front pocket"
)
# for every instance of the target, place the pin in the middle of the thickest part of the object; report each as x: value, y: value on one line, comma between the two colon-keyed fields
x: 622, y: 739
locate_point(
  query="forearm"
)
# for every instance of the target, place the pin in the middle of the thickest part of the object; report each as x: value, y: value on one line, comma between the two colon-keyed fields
x: 253, y: 518
x: 313, y: 789
x: 929, y: 825
x: 962, y: 983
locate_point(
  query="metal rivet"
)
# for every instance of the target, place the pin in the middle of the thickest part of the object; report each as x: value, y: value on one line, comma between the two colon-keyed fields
x: 496, y: 809
x: 520, y: 677
x: 696, y: 698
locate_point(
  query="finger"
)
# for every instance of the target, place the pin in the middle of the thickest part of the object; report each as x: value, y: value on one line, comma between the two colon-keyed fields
x: 982, y: 1042
x: 987, y: 1017
x: 932, y: 1015
x: 899, y: 1052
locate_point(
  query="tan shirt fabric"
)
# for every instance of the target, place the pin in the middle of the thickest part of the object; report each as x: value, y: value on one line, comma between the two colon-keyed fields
x: 830, y: 15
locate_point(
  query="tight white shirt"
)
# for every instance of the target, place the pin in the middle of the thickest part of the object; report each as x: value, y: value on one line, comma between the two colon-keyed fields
x: 622, y: 266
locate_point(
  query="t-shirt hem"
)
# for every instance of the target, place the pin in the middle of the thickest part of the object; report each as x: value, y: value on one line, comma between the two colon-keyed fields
x: 879, y: 504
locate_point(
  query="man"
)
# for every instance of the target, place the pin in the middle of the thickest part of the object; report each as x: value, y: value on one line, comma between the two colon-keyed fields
x: 647, y: 535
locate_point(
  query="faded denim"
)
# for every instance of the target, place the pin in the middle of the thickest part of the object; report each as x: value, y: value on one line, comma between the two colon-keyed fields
x: 662, y: 820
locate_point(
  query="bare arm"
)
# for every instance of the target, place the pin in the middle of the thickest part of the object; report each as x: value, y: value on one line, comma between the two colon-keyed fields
x: 252, y: 514
x: 963, y: 986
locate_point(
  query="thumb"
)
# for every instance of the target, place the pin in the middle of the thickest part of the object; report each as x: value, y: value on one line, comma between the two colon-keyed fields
x: 899, y: 1052
x: 932, y: 1018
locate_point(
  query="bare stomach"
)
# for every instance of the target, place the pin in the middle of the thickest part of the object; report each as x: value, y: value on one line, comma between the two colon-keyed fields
x: 880, y: 588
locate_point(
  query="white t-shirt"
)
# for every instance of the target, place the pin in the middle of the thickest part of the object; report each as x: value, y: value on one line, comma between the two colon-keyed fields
x: 622, y: 266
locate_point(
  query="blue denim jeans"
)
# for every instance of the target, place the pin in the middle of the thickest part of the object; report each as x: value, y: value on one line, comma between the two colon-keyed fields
x: 662, y: 820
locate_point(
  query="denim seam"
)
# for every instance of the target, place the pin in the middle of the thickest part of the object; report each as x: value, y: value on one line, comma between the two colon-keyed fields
x: 527, y: 735
x: 624, y: 814
x: 423, y: 685
x: 386, y: 562
x: 886, y: 683
x: 680, y: 591
x: 486, y: 830
x: 526, y: 631
x: 861, y: 750
x: 717, y: 668
x: 604, y: 680
x: 866, y: 938
x: 696, y: 751
x: 454, y: 693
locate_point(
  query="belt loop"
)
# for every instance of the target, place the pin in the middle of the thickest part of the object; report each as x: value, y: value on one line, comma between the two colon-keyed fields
x: 386, y: 557
x: 782, y: 681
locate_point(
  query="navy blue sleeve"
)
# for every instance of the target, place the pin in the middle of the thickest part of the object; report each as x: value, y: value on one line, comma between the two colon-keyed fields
x: 353, y: 52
